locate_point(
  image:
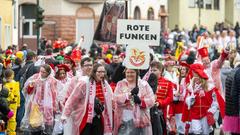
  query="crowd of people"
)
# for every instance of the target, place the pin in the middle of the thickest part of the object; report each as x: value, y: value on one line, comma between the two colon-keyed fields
x: 191, y: 87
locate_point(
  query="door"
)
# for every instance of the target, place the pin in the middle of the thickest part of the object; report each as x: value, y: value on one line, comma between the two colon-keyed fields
x: 85, y: 27
x: 7, y: 36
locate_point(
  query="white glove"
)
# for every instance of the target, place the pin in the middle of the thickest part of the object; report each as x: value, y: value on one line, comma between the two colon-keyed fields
x: 190, y: 100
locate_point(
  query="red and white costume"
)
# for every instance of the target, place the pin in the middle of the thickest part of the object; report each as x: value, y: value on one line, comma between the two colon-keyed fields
x: 213, y: 71
x: 176, y: 108
x: 80, y: 106
x: 164, y: 94
x: 200, y: 110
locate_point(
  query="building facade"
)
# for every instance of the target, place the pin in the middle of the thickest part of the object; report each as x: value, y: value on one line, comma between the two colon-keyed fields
x: 5, y: 23
x: 232, y: 12
x: 186, y: 13
x: 70, y: 19
x: 67, y: 19
x: 149, y: 10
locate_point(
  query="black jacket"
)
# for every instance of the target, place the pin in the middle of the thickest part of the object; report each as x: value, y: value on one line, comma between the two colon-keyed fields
x: 4, y: 109
x: 31, y: 70
x: 232, y: 93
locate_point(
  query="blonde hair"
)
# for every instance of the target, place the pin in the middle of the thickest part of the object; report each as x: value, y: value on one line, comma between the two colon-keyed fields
x: 204, y: 84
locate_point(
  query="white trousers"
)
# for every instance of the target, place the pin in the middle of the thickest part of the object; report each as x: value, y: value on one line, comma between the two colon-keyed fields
x: 200, y: 126
x: 180, y: 125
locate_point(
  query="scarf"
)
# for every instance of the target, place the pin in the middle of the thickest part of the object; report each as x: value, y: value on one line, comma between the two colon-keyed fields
x: 107, y: 111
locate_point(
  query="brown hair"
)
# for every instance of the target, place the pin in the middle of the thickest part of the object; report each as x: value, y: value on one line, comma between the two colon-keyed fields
x: 94, y: 71
x: 157, y: 64
x: 8, y: 73
x: 47, y: 68
x: 180, y: 74
x: 85, y: 59
x: 58, y: 73
x: 136, y: 70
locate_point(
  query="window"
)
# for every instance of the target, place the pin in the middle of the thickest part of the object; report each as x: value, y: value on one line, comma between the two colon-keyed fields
x: 7, y: 35
x: 200, y: 3
x: 137, y: 13
x: 192, y: 3
x: 29, y: 11
x: 150, y: 14
x: 208, y: 4
x: 28, y: 28
x: 237, y: 3
x: 216, y: 5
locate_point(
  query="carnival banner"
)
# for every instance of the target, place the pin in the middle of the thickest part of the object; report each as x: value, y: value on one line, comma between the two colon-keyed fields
x: 137, y: 57
x: 107, y: 28
x: 141, y: 32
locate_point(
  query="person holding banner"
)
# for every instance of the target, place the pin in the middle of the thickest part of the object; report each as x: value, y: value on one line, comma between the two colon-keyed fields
x: 133, y: 98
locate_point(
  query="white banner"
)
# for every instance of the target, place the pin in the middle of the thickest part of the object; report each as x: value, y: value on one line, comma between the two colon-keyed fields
x: 134, y: 32
x: 137, y: 57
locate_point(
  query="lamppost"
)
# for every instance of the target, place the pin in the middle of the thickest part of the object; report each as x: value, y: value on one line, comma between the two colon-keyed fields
x: 199, y: 3
x: 39, y: 22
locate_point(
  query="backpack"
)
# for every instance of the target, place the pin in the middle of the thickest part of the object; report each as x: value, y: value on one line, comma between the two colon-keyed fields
x: 23, y: 78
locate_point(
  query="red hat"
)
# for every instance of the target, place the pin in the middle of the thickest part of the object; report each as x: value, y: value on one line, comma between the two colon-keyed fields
x: 8, y: 52
x: 62, y: 67
x: 57, y: 44
x: 76, y: 55
x: 70, y: 59
x: 199, y: 69
x: 52, y: 66
x: 203, y: 52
